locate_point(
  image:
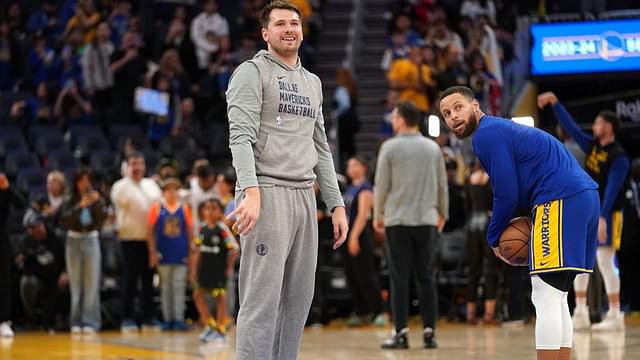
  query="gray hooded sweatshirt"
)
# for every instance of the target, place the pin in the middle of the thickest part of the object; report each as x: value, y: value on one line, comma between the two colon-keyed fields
x: 276, y: 128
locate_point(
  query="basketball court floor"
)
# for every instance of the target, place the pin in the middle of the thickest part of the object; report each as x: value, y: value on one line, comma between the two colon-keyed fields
x: 333, y: 342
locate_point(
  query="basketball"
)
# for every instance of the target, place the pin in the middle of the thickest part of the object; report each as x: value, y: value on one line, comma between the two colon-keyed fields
x: 514, y: 242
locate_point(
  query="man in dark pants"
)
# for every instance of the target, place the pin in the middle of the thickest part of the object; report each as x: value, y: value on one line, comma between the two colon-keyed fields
x: 133, y: 196
x: 8, y: 197
x: 44, y: 279
x: 411, y: 203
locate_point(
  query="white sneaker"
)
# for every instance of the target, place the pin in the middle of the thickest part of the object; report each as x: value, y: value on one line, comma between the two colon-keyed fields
x: 512, y: 324
x: 610, y: 323
x: 581, y: 320
x: 76, y: 330
x: 88, y: 330
x: 5, y: 330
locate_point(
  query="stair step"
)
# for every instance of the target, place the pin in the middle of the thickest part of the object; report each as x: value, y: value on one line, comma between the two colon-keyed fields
x: 328, y: 33
x: 375, y: 33
x: 337, y: 17
x: 329, y: 4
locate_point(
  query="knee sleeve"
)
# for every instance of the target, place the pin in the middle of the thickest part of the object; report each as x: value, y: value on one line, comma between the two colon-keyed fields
x: 605, y: 264
x: 549, y: 320
x: 581, y: 283
x: 567, y: 324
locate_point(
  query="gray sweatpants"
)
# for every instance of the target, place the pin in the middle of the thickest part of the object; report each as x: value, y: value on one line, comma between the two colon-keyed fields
x: 277, y: 271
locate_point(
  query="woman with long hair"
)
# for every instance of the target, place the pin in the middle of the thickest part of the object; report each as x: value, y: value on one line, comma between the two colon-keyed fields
x: 82, y: 216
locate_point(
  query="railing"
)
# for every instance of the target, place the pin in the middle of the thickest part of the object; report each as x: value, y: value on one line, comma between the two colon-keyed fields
x: 353, y: 45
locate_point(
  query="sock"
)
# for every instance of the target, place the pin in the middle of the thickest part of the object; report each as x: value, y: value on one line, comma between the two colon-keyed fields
x: 212, y: 323
x: 581, y: 304
x: 614, y: 309
x: 428, y: 331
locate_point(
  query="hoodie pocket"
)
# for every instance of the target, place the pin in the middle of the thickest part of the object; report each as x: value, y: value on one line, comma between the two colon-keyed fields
x: 287, y: 156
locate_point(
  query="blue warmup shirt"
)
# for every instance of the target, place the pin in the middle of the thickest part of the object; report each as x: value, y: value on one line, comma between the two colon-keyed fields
x: 527, y: 167
x: 608, y: 165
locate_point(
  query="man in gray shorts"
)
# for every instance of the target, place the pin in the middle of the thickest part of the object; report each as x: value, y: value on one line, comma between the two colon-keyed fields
x: 279, y: 146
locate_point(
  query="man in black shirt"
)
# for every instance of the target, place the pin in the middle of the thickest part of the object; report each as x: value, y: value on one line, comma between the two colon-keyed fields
x: 44, y: 279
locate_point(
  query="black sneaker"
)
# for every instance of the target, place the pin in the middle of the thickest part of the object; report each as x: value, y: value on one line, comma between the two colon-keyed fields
x: 429, y: 338
x: 398, y: 340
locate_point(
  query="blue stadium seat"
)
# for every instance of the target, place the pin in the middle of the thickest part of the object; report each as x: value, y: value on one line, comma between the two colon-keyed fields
x: 80, y: 131
x: 186, y: 157
x: 119, y: 132
x: 47, y: 143
x: 20, y: 160
x: 32, y: 180
x: 171, y: 145
x: 104, y: 161
x: 62, y: 160
x: 36, y: 131
x: 90, y: 143
x: 10, y: 142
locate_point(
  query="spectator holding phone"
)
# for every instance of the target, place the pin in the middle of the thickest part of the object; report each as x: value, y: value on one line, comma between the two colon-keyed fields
x: 82, y: 216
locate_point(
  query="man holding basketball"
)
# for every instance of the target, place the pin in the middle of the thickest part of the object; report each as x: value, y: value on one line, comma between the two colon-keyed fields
x: 531, y: 169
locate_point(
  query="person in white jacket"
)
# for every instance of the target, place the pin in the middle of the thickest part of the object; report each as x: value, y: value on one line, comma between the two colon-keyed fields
x: 206, y: 30
x: 133, y: 196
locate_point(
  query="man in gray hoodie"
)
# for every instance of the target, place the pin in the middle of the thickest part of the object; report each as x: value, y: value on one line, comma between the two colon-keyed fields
x: 411, y: 205
x: 279, y: 147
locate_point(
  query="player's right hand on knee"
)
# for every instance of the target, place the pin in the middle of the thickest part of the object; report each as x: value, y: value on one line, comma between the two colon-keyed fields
x: 246, y: 214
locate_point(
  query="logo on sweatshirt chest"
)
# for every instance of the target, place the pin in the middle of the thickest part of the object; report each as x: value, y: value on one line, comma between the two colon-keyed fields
x: 292, y: 101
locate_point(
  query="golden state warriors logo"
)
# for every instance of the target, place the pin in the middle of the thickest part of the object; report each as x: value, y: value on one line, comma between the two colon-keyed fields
x: 171, y: 226
x: 546, y: 246
x: 595, y: 159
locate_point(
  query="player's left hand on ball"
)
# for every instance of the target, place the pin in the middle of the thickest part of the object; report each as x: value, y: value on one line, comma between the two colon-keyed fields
x: 496, y: 251
x: 340, y: 227
x: 602, y: 230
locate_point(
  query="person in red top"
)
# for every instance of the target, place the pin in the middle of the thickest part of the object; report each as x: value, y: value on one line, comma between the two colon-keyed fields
x: 170, y: 232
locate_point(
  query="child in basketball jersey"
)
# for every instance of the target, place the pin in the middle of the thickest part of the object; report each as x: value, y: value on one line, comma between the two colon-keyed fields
x: 212, y: 257
x: 169, y: 234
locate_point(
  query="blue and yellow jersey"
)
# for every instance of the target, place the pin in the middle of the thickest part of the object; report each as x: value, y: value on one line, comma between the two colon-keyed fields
x: 608, y: 165
x: 527, y: 167
x: 170, y: 231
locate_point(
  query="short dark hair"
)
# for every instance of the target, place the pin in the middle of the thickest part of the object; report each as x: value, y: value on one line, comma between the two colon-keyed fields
x: 612, y: 118
x: 213, y: 201
x: 204, y: 171
x: 277, y: 4
x: 458, y: 89
x: 409, y: 112
x: 135, y: 155
x: 229, y: 176
x: 361, y: 159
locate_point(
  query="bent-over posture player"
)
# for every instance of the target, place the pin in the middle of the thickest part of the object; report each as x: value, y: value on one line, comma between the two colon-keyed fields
x: 531, y: 169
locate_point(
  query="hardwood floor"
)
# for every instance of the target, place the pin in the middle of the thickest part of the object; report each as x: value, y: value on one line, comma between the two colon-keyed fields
x: 334, y: 342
